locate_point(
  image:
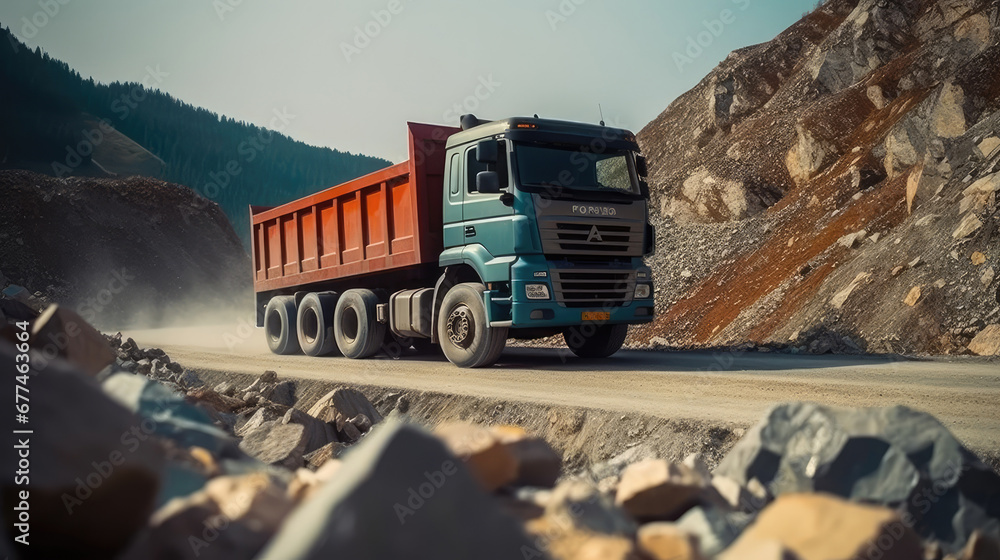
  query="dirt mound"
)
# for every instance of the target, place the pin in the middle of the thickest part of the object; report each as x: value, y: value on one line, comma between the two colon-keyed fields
x: 119, y: 251
x: 812, y: 183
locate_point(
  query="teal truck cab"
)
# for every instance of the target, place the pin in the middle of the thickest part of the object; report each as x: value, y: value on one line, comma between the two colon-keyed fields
x: 542, y: 230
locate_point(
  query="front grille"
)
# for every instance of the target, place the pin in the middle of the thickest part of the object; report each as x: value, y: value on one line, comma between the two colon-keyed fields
x: 587, y: 236
x: 595, y: 288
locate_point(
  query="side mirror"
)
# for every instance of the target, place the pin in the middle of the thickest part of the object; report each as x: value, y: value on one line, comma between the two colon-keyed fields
x: 641, y: 168
x: 488, y: 182
x: 644, y: 188
x: 486, y: 151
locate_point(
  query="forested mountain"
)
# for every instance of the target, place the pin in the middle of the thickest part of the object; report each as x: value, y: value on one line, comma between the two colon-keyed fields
x: 56, y: 122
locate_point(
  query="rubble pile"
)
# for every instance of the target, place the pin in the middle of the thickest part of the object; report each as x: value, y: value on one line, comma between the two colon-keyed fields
x: 135, y: 457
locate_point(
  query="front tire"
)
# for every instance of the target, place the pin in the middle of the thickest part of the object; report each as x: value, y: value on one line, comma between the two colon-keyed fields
x: 314, y: 324
x: 279, y: 325
x: 464, y: 334
x: 356, y: 327
x: 604, y: 341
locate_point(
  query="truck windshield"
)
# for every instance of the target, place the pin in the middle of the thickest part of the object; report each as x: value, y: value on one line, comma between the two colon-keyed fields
x: 574, y: 168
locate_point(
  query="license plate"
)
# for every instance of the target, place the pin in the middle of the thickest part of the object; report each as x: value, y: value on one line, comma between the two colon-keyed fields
x: 596, y: 316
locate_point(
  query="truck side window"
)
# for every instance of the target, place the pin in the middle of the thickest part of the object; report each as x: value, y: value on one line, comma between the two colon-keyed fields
x: 473, y: 166
x: 455, y: 174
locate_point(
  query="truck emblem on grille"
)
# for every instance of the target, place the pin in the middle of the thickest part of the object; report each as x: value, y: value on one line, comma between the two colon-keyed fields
x: 595, y: 235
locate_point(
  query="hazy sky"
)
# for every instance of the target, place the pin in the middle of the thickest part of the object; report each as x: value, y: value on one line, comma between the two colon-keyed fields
x: 352, y: 73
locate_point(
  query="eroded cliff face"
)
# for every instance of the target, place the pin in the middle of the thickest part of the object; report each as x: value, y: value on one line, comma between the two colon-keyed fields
x: 810, y: 186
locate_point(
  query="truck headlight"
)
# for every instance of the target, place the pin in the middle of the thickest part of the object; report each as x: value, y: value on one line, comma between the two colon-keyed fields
x: 642, y: 291
x: 536, y: 291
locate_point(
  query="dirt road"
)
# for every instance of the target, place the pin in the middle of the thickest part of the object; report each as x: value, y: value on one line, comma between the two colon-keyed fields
x: 701, y: 386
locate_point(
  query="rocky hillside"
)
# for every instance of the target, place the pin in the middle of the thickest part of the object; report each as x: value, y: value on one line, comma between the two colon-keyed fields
x: 119, y: 251
x: 835, y: 188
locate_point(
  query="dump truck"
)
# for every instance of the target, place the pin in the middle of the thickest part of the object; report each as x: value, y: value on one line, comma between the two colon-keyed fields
x: 518, y: 228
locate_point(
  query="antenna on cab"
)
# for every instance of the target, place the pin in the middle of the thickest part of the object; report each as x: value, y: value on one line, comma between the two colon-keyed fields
x: 600, y: 110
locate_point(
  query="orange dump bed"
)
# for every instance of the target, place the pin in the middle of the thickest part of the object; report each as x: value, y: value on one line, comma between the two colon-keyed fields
x: 390, y: 219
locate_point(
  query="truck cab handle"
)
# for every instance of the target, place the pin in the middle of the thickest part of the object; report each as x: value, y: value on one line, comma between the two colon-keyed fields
x: 470, y: 231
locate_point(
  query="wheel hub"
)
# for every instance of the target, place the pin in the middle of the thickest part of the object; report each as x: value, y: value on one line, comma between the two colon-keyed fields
x: 461, y: 326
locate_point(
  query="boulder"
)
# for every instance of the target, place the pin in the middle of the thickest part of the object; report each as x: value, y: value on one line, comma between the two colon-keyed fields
x: 578, y: 504
x: 319, y: 457
x: 537, y: 463
x: 245, y: 424
x: 657, y: 489
x: 987, y: 342
x: 891, y: 456
x: 824, y: 527
x: 664, y: 541
x: 169, y: 414
x: 276, y: 443
x: 307, y: 482
x: 282, y: 393
x: 217, y: 401
x: 232, y: 517
x: 317, y: 433
x: 714, y: 528
x: 489, y: 460
x: 399, y: 494
x: 340, y: 405
x: 58, y: 331
x: 95, y: 466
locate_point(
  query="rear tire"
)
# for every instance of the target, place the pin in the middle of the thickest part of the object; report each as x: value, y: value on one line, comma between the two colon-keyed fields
x: 356, y: 328
x: 605, y: 340
x: 465, y: 336
x: 314, y: 324
x: 279, y: 325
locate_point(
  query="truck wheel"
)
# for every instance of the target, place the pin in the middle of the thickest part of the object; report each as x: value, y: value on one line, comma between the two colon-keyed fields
x: 605, y: 340
x: 315, y: 324
x: 358, y: 332
x: 279, y: 325
x: 466, y: 338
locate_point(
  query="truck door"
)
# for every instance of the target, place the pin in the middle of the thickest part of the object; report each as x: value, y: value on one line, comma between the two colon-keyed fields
x: 487, y: 221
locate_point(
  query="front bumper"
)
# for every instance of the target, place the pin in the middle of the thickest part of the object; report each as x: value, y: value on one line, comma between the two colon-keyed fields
x: 519, y: 312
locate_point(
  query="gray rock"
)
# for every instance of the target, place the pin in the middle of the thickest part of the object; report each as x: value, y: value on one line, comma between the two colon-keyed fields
x: 282, y: 393
x: 317, y: 458
x: 341, y: 405
x: 579, y: 504
x: 226, y: 388
x: 397, y: 495
x: 254, y: 420
x: 168, y: 414
x: 318, y: 433
x: 715, y: 529
x: 189, y: 379
x: 894, y: 456
x: 94, y: 469
x: 275, y: 443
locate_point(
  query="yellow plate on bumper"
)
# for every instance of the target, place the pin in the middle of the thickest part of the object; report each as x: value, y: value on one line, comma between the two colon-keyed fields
x: 596, y: 316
